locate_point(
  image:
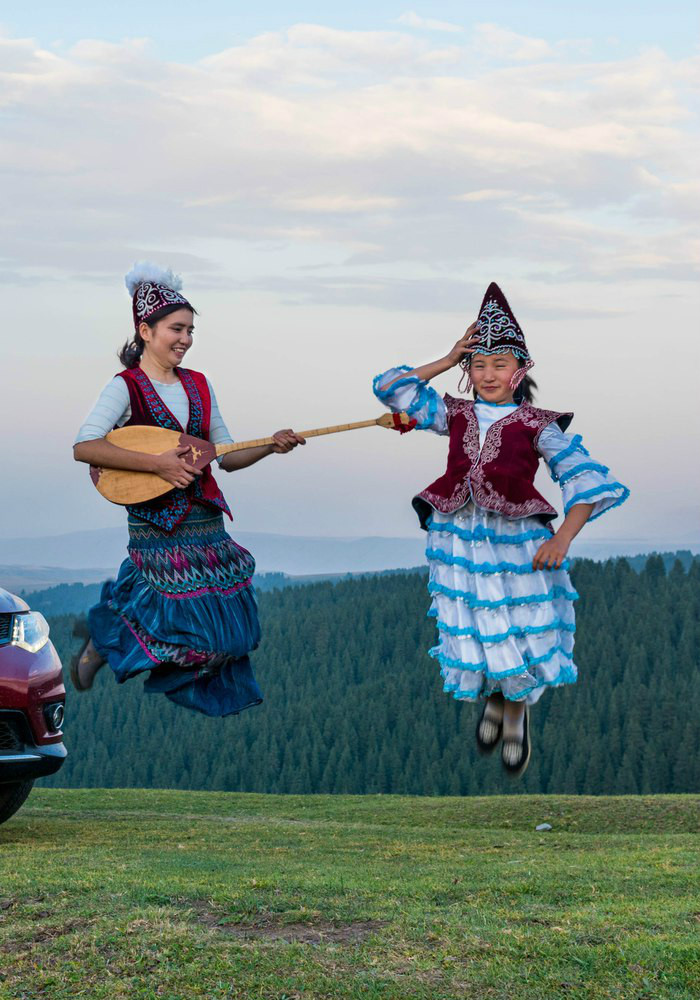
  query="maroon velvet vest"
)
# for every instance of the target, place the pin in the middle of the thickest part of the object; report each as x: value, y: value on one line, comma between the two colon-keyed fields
x: 148, y: 408
x: 499, y: 477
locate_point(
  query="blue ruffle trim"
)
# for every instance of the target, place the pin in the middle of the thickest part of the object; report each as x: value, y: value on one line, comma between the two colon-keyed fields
x: 426, y: 396
x: 418, y: 402
x: 483, y: 668
x: 587, y: 495
x: 481, y: 534
x: 431, y: 397
x: 519, y: 631
x: 385, y: 393
x: 567, y: 675
x: 484, y: 402
x: 486, y: 568
x: 473, y: 600
x: 574, y: 446
x: 577, y: 470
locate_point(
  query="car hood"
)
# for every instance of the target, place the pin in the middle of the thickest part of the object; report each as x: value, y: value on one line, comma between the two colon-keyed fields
x: 10, y: 603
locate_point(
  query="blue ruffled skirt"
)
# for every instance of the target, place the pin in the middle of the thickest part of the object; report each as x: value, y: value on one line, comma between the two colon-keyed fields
x: 183, y: 608
x: 502, y: 626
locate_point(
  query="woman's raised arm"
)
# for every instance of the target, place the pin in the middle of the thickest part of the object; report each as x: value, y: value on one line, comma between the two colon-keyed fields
x: 465, y: 345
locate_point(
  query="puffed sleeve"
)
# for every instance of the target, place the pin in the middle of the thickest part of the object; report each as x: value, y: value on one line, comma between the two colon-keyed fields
x: 415, y: 397
x: 581, y: 478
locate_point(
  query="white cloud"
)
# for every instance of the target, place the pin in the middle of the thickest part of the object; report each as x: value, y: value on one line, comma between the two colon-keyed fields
x: 376, y: 181
x: 339, y: 204
x: 413, y: 20
x: 353, y: 141
x: 492, y: 40
x: 486, y: 194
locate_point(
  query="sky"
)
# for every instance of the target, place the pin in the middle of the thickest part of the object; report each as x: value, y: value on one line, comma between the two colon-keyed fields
x: 337, y: 187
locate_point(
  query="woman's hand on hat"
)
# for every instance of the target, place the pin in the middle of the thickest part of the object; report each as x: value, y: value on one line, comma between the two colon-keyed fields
x: 285, y: 441
x: 465, y: 345
x: 551, y: 554
x: 172, y: 467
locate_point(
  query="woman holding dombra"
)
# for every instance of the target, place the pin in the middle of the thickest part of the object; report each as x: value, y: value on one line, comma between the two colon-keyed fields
x: 183, y: 607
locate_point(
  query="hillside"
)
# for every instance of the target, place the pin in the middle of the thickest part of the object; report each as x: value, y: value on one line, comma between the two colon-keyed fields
x: 74, y: 598
x: 179, y: 895
x: 353, y: 704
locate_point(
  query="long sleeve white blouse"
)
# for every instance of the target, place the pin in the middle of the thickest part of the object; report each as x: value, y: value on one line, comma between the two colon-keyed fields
x: 113, y: 409
x: 581, y: 478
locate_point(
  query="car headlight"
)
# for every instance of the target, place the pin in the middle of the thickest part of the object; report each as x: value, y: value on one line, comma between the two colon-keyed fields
x: 30, y: 631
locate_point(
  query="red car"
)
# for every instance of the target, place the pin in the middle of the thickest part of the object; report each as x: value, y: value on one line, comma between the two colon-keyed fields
x: 32, y: 701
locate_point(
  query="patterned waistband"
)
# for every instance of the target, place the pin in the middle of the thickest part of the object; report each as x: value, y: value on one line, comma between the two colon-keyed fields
x: 200, y: 527
x: 195, y: 559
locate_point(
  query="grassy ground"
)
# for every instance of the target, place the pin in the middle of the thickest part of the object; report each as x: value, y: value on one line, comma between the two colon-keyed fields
x: 180, y: 895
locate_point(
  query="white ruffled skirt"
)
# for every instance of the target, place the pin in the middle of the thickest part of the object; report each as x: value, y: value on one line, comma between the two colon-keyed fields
x: 501, y: 624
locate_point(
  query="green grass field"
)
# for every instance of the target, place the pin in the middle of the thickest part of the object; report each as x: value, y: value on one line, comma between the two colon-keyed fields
x: 141, y: 894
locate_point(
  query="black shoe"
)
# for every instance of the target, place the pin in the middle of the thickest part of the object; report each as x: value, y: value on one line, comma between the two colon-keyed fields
x: 515, y: 770
x: 482, y: 746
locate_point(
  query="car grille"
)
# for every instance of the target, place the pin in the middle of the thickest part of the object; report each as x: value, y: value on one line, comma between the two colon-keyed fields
x: 9, y: 740
x: 5, y: 627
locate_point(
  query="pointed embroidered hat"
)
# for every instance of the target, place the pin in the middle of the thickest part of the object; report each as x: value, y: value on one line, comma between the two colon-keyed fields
x: 499, y: 330
x: 498, y: 333
x: 152, y: 288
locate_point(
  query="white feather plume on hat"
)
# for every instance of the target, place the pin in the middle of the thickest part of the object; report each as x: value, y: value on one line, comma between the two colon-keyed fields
x: 144, y: 270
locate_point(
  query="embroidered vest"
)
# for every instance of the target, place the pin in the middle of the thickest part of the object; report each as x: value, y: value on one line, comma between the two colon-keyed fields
x: 500, y: 476
x: 148, y: 408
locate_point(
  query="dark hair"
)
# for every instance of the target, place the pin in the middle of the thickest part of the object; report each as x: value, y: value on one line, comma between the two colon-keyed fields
x: 525, y: 390
x: 131, y: 352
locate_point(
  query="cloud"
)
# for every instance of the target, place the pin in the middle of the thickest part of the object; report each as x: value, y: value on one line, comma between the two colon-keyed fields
x: 492, y: 40
x: 487, y: 194
x: 413, y: 20
x: 369, y: 150
x: 429, y: 295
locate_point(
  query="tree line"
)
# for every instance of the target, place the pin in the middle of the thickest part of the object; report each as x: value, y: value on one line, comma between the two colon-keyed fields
x: 353, y: 704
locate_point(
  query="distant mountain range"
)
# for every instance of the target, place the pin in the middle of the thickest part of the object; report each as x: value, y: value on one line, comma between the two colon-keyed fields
x: 90, y: 556
x: 25, y: 579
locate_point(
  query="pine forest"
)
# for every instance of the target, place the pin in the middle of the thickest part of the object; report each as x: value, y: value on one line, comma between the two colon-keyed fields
x: 353, y: 703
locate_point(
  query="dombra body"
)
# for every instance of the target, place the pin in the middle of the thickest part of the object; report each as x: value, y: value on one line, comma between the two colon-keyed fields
x: 126, y: 487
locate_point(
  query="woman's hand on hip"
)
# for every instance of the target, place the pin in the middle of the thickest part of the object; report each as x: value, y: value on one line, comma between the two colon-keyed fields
x: 551, y: 554
x: 172, y: 467
x: 285, y: 441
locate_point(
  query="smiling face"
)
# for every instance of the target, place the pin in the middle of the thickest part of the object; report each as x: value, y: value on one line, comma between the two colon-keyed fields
x: 169, y: 340
x: 491, y: 375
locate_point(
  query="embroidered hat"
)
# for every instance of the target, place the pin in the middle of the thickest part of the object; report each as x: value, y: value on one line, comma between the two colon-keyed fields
x: 499, y: 330
x: 153, y: 288
x: 498, y: 333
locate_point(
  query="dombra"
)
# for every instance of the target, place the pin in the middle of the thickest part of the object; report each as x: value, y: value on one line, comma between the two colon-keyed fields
x: 123, y: 486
